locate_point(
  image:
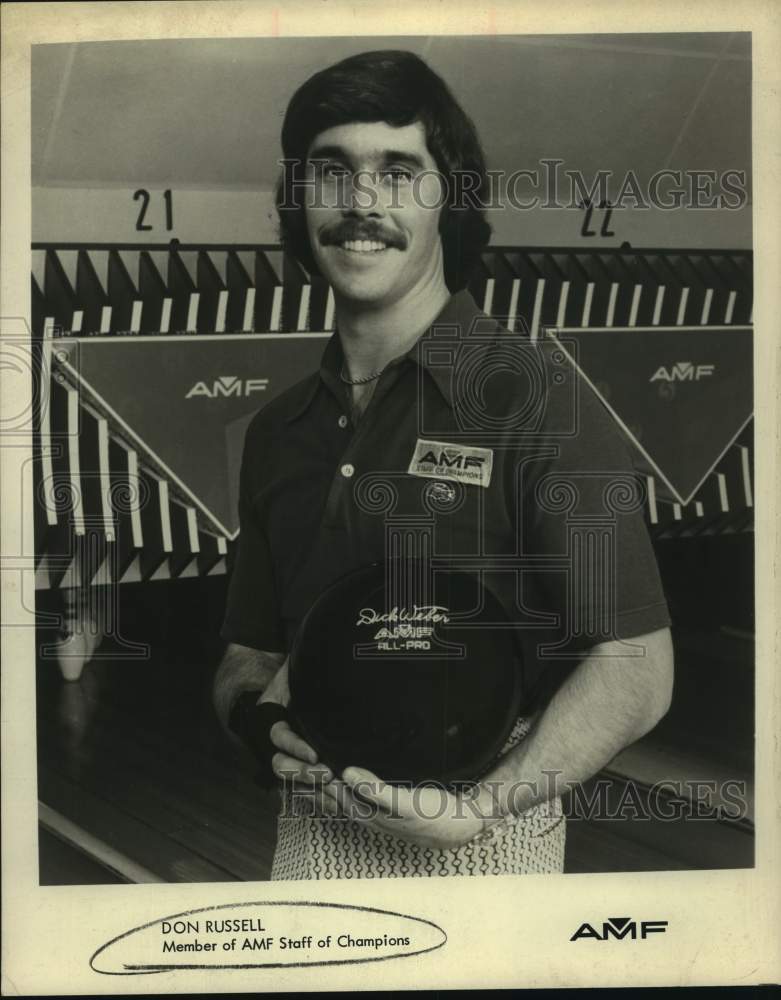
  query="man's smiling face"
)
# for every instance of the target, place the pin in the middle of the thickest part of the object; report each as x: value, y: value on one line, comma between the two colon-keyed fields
x: 373, y: 213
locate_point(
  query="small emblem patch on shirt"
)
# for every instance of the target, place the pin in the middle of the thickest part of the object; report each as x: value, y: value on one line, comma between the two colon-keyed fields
x: 462, y: 463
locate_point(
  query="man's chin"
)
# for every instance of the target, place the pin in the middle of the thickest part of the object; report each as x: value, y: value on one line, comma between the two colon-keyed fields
x: 364, y: 292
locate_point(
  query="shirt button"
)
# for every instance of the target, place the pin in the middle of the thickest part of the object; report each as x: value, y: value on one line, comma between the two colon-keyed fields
x: 342, y: 421
x: 347, y: 470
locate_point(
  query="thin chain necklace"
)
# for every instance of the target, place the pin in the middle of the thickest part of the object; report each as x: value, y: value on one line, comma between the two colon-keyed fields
x: 363, y: 378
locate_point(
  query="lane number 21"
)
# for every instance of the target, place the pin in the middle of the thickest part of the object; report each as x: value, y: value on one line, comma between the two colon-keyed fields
x: 144, y: 197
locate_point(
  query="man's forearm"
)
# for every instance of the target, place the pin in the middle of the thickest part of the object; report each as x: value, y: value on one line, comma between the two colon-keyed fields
x: 242, y: 669
x: 608, y: 702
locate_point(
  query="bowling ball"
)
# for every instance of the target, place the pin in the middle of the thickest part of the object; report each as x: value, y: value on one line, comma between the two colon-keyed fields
x: 413, y: 689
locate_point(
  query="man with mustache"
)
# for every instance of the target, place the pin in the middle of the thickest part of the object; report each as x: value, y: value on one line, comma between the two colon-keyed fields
x: 383, y: 174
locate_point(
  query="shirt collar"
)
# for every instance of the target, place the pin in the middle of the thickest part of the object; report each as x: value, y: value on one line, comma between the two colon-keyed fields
x: 453, y: 322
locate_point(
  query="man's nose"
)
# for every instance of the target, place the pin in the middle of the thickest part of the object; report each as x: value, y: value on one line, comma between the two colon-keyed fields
x: 363, y: 197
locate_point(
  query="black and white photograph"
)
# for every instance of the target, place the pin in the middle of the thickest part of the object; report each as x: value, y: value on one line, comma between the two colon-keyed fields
x: 389, y: 501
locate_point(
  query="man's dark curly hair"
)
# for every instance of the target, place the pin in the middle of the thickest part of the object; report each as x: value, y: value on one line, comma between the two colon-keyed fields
x: 397, y: 88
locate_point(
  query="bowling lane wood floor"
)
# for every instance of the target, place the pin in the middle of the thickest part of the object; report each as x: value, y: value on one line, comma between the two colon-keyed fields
x: 132, y: 754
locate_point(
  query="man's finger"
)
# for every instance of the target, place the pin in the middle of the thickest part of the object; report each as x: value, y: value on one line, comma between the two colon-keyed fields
x: 285, y: 766
x: 368, y: 786
x: 349, y: 805
x: 283, y: 737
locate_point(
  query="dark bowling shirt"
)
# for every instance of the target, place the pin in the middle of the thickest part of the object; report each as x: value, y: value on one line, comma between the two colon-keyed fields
x: 490, y: 445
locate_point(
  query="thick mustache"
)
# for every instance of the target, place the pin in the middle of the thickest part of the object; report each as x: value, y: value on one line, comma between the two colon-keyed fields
x: 353, y: 230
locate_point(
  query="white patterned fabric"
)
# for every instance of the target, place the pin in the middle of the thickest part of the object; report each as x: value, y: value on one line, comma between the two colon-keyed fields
x: 311, y: 847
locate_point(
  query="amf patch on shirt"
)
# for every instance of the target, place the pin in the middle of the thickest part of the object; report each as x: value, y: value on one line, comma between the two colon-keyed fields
x: 462, y: 463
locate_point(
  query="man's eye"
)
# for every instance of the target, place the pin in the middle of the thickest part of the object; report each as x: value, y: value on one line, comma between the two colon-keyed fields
x: 333, y: 170
x: 397, y: 175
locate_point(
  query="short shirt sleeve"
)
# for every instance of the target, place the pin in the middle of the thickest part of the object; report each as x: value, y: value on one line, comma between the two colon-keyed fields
x: 252, y: 610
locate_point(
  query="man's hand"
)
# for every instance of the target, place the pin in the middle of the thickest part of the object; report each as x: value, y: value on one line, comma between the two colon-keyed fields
x: 429, y: 816
x: 296, y: 760
x: 242, y: 669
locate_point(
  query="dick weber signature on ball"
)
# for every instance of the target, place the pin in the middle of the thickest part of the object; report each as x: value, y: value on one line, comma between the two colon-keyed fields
x: 417, y: 613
